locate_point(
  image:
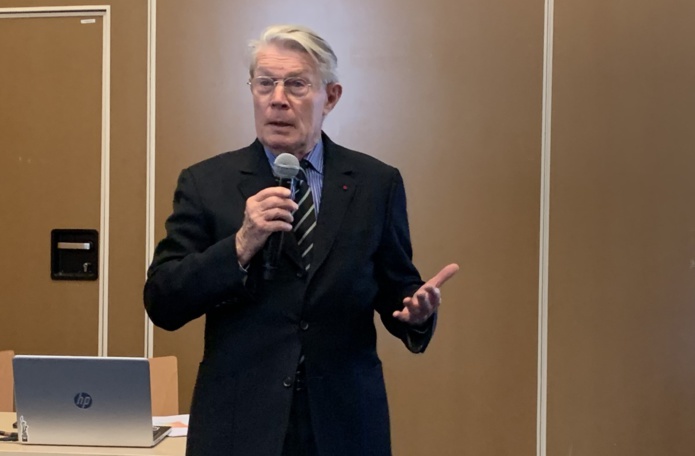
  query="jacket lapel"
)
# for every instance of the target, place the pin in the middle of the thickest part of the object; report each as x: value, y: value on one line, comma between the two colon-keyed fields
x: 338, y: 189
x: 256, y: 175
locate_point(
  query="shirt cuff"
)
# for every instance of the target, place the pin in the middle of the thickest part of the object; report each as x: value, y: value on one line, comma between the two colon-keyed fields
x: 418, y: 336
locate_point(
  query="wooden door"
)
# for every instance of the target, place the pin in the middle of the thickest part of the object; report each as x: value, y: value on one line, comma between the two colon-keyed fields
x: 51, y: 157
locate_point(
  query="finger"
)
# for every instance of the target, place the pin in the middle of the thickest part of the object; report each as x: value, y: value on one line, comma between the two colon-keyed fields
x: 424, y: 309
x: 436, y: 299
x: 442, y: 276
x: 434, y: 296
x: 402, y: 315
x: 261, y: 224
x: 272, y: 215
x: 415, y: 309
x: 280, y: 192
x: 273, y: 202
x: 278, y: 225
x: 421, y: 302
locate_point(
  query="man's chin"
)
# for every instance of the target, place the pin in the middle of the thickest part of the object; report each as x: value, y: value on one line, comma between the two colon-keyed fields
x: 280, y: 143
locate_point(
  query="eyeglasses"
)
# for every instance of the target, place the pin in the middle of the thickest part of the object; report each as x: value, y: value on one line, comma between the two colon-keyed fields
x: 264, y: 85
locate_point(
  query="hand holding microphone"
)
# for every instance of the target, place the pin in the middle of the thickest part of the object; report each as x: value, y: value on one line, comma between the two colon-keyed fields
x: 269, y: 211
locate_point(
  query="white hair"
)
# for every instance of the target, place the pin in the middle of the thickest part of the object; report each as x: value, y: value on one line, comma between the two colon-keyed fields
x: 301, y: 39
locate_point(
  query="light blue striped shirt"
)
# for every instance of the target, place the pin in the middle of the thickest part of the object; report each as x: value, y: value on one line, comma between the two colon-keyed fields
x: 314, y: 173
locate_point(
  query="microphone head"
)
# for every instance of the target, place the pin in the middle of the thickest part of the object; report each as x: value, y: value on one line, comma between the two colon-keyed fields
x: 285, y: 166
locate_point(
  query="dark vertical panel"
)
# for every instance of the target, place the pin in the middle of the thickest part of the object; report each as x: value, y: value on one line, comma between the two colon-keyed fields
x: 622, y: 281
x: 450, y: 93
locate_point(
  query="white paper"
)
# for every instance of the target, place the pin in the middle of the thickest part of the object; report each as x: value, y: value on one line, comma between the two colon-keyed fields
x: 178, y: 423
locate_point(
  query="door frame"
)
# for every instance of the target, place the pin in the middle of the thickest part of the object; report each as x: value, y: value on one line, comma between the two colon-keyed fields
x: 150, y: 191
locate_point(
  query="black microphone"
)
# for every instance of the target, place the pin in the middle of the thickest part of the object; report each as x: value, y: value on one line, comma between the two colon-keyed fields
x: 285, y: 168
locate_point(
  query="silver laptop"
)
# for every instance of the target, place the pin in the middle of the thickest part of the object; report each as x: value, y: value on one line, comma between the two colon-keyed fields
x: 77, y: 400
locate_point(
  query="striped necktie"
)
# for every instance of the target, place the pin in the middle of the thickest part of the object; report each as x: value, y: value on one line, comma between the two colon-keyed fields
x: 305, y: 217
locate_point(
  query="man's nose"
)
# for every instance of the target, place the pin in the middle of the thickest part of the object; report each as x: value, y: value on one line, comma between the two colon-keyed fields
x: 278, y: 98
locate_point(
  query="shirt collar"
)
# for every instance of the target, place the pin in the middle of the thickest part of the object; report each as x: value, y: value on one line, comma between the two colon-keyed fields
x: 315, y: 157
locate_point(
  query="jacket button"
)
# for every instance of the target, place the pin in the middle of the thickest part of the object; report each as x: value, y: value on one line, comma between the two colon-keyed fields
x: 287, y: 382
x: 303, y: 325
x: 300, y: 274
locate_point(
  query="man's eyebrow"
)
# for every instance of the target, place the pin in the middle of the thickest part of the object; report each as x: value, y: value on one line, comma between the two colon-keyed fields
x: 291, y: 74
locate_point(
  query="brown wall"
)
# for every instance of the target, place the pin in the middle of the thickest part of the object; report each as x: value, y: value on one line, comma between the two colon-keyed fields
x: 128, y: 171
x: 622, y: 236
x: 447, y: 91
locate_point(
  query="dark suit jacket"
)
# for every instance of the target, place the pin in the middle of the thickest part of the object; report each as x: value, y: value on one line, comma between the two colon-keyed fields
x: 255, y: 329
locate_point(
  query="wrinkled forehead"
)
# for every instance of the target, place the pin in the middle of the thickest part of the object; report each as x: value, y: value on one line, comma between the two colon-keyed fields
x: 284, y: 56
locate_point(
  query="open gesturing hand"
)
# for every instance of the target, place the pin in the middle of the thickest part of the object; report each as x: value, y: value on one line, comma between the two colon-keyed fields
x: 418, y: 308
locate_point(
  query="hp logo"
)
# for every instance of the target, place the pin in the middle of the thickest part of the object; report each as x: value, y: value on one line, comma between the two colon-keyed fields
x: 83, y: 400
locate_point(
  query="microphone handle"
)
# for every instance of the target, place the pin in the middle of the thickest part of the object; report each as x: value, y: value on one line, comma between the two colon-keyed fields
x: 273, y: 247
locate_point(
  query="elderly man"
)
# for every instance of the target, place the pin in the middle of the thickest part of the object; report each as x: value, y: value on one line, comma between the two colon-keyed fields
x: 290, y: 364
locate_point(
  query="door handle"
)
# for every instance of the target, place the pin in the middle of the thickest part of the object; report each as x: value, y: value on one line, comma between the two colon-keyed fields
x: 74, y: 246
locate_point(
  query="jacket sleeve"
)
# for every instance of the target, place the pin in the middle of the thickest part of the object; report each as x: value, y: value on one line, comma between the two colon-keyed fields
x: 398, y: 278
x: 191, y: 272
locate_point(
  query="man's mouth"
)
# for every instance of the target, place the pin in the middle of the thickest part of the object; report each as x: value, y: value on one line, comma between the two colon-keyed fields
x: 279, y: 123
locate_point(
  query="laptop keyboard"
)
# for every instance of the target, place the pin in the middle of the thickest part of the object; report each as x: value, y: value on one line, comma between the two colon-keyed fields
x: 157, y: 431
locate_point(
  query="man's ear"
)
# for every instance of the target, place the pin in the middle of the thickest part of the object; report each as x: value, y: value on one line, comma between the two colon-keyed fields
x: 333, y: 93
